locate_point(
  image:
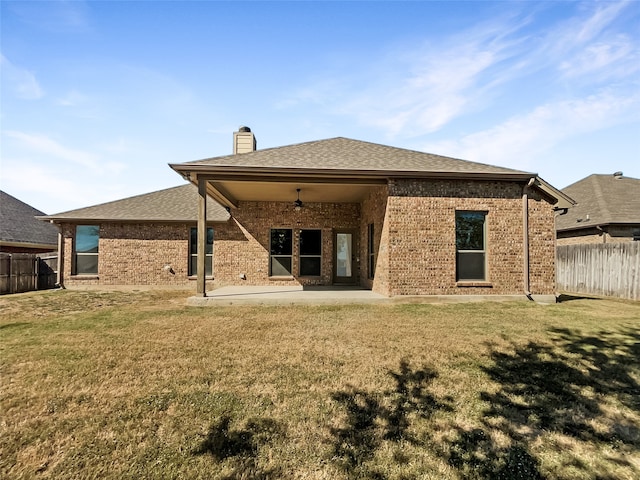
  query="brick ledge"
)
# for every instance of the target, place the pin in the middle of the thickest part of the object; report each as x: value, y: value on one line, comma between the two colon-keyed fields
x: 474, y: 284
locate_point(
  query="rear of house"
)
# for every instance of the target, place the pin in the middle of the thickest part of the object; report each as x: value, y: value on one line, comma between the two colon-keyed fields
x: 329, y: 212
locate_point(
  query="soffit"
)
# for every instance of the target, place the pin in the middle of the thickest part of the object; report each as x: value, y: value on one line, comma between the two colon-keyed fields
x: 254, y: 191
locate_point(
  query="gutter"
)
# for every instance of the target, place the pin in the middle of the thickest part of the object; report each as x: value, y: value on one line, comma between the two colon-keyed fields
x: 255, y: 173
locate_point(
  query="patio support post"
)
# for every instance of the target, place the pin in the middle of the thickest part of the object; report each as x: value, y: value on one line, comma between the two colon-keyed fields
x: 202, y: 237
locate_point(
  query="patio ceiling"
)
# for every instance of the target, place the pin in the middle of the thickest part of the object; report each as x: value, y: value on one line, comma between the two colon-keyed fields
x: 230, y: 192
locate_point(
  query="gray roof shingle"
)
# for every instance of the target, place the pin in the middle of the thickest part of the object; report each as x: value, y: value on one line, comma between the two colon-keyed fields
x: 346, y: 154
x: 177, y: 204
x: 18, y: 223
x: 605, y: 199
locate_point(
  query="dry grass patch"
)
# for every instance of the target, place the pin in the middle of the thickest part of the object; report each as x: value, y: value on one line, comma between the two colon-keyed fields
x: 137, y: 385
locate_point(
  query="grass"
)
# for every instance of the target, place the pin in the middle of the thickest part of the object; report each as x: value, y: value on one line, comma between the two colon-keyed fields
x: 137, y: 385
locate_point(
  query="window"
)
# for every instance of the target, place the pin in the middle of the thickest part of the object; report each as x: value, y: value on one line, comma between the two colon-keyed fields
x: 86, y: 249
x: 310, y: 252
x: 470, y: 246
x: 193, y: 253
x: 281, y: 252
x: 371, y: 252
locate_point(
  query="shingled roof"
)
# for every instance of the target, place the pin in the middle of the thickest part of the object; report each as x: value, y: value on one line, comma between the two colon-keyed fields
x: 602, y: 200
x: 349, y: 155
x: 177, y: 204
x: 19, y: 225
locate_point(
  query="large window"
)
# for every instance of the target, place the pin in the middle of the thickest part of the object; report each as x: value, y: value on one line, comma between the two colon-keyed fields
x: 371, y: 252
x: 470, y: 246
x: 310, y: 252
x: 281, y: 252
x: 86, y: 249
x: 193, y: 253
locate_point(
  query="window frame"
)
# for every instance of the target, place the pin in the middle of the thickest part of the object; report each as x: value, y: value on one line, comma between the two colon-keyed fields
x: 77, y: 254
x: 301, y: 256
x: 461, y: 253
x: 371, y: 252
x: 272, y: 256
x: 192, y: 266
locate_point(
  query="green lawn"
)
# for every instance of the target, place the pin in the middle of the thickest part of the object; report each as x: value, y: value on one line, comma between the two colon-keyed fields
x: 137, y: 385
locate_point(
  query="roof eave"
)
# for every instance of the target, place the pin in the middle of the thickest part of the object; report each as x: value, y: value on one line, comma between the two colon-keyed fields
x: 563, y: 201
x: 596, y: 225
x: 57, y: 220
x: 328, y: 174
x: 17, y: 243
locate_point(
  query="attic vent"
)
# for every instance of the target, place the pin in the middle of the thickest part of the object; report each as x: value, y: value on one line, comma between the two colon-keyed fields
x: 618, y: 175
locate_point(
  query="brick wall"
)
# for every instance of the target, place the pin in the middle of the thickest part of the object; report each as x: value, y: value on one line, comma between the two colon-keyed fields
x: 414, y: 225
x: 242, y: 245
x: 374, y: 211
x: 422, y: 251
x: 134, y: 254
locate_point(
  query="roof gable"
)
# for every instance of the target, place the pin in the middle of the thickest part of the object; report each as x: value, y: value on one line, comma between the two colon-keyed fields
x: 177, y: 204
x: 18, y: 223
x: 602, y: 200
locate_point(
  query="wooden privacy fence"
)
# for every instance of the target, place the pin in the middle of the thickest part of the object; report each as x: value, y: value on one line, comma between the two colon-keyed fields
x: 24, y: 272
x: 611, y: 269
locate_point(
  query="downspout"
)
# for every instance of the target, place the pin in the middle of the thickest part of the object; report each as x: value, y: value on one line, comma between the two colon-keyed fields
x: 201, y: 288
x: 60, y: 267
x: 525, y: 236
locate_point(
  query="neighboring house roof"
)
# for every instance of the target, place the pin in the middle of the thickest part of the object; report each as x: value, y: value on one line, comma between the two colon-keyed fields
x: 177, y: 204
x: 344, y: 154
x: 20, y: 227
x: 602, y: 200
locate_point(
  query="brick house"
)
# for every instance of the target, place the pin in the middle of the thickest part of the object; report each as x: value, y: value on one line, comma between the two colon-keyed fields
x: 607, y: 211
x: 328, y: 212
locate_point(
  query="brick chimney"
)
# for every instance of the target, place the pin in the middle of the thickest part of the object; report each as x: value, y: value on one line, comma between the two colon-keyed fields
x: 244, y: 141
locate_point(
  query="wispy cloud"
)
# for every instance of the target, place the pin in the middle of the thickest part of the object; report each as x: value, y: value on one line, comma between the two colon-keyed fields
x: 598, y: 21
x: 54, y: 15
x: 22, y: 82
x: 522, y: 140
x: 63, y: 188
x: 420, y: 89
x: 73, y: 98
x: 49, y: 147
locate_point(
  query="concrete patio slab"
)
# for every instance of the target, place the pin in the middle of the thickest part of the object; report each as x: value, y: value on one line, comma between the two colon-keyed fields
x: 333, y: 295
x: 289, y: 295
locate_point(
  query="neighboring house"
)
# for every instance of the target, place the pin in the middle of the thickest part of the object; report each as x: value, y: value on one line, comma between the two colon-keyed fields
x: 21, y: 231
x: 607, y: 211
x: 328, y: 212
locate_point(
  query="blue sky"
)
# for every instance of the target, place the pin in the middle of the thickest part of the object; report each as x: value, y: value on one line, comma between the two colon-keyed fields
x: 98, y: 97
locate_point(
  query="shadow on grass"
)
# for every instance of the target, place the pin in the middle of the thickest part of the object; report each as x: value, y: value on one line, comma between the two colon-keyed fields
x: 578, y: 389
x: 568, y: 297
x: 559, y: 388
x: 240, y: 447
x: 372, y: 418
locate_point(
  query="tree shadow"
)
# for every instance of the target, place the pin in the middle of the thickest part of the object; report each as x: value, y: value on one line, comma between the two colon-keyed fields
x: 559, y: 388
x: 240, y: 447
x: 375, y: 417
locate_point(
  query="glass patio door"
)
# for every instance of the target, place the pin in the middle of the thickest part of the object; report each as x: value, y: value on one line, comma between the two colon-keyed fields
x: 344, y: 257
